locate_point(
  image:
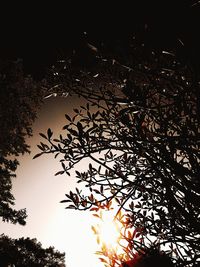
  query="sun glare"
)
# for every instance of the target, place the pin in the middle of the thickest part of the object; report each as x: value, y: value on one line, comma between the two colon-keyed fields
x: 109, y: 231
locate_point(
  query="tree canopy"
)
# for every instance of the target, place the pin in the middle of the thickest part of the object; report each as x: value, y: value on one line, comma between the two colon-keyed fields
x: 28, y: 252
x: 20, y: 97
x: 140, y: 131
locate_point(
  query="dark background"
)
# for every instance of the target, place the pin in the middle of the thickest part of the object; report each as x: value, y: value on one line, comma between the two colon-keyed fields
x: 41, y: 33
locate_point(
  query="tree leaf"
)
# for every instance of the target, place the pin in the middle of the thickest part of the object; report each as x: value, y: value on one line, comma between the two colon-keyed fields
x: 68, y: 117
x: 43, y: 135
x: 37, y: 155
x: 49, y: 133
x: 65, y: 201
x: 59, y: 173
x: 80, y: 129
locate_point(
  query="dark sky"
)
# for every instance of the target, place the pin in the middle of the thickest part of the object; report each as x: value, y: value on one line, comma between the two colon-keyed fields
x: 41, y: 33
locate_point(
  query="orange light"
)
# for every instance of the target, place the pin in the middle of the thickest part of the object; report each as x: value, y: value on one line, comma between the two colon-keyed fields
x: 109, y: 231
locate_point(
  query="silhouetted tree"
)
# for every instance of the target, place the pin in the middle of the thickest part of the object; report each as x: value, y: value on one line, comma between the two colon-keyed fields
x: 28, y: 252
x: 140, y: 128
x: 151, y: 257
x: 19, y: 99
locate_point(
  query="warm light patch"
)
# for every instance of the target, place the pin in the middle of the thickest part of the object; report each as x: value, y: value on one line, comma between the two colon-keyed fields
x: 109, y: 231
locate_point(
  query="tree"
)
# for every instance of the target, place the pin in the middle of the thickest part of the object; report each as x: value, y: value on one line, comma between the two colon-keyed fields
x: 28, y: 252
x: 140, y: 131
x: 20, y: 98
x: 152, y: 257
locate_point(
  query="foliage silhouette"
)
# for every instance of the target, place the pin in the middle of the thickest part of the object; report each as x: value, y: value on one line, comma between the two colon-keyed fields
x: 140, y: 131
x: 28, y: 252
x: 151, y: 257
x: 19, y: 100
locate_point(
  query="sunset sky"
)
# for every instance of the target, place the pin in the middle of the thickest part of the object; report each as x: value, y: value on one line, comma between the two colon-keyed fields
x: 39, y: 191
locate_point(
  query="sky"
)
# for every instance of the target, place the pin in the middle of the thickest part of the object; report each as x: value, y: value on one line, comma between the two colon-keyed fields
x: 38, y: 33
x: 39, y: 191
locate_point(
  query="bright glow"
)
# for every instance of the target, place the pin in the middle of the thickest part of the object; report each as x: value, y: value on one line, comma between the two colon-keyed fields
x: 109, y: 230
